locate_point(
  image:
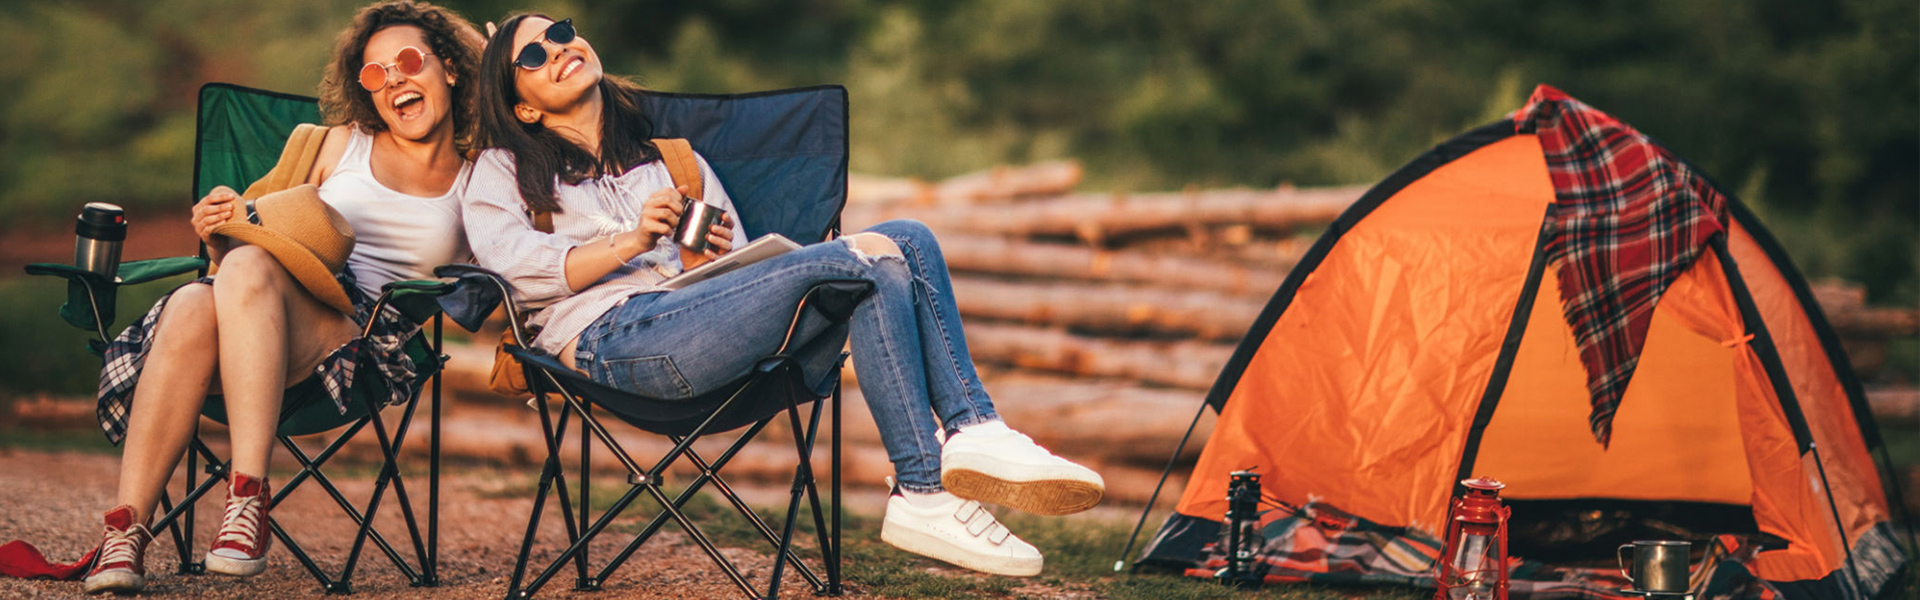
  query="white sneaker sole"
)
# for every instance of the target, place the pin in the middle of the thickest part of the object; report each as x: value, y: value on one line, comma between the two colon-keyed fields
x: 118, y: 582
x: 237, y: 567
x: 934, y: 547
x: 1050, y: 491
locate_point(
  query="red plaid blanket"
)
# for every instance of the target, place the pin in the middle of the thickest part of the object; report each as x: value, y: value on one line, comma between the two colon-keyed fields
x: 1630, y: 218
x: 1321, y: 544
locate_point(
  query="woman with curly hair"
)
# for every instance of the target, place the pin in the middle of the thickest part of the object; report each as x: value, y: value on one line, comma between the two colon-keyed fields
x: 397, y: 97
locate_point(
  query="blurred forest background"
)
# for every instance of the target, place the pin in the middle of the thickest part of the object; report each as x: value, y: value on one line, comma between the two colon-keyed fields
x: 1809, y: 111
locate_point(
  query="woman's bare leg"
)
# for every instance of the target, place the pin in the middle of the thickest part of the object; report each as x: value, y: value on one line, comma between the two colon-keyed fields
x: 272, y: 333
x: 167, y: 403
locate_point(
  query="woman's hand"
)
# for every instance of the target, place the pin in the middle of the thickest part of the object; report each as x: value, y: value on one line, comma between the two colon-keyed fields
x: 659, y: 215
x: 720, y: 238
x: 210, y: 212
x: 719, y: 241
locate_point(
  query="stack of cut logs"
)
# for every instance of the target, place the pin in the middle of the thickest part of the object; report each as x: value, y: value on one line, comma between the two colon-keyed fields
x: 1099, y: 321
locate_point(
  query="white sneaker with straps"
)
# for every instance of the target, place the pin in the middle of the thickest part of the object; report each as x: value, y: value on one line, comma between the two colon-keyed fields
x: 992, y: 463
x: 948, y: 528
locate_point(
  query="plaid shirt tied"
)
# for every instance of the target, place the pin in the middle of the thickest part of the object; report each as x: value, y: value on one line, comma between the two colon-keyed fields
x: 1630, y: 219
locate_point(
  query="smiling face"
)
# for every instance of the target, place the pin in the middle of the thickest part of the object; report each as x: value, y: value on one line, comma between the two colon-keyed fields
x: 572, y: 70
x: 412, y: 107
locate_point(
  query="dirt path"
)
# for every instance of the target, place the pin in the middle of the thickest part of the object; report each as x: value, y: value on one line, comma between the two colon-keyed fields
x: 55, y: 501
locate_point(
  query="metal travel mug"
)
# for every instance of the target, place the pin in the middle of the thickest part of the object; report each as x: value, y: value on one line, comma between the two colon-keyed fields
x: 1659, y: 566
x: 98, y: 234
x: 696, y: 221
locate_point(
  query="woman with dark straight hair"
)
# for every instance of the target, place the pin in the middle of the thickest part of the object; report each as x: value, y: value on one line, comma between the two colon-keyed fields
x: 565, y: 139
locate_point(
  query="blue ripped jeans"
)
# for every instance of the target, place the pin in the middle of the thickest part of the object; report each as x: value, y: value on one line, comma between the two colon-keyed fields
x: 907, y: 342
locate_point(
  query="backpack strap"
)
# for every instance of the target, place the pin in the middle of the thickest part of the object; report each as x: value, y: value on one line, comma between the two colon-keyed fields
x: 681, y: 164
x: 542, y: 220
x: 296, y: 161
x: 676, y: 153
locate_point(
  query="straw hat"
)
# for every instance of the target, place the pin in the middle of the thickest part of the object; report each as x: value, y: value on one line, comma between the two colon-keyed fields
x: 306, y: 235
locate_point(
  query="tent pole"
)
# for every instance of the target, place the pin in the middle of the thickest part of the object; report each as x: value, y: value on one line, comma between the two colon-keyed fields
x: 1120, y: 563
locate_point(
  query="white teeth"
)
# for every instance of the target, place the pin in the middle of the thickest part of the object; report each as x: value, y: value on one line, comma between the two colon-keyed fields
x: 404, y: 98
x: 571, y: 67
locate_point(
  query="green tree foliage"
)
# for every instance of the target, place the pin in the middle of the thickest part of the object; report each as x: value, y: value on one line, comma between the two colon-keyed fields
x: 1809, y: 110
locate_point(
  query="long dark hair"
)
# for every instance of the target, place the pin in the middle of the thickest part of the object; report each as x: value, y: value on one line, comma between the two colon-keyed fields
x: 540, y: 155
x: 451, y: 38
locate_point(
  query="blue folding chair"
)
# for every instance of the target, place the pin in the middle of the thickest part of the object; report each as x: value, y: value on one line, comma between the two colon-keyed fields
x: 782, y: 157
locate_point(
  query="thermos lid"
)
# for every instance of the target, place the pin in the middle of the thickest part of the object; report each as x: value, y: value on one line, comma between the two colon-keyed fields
x: 102, y: 221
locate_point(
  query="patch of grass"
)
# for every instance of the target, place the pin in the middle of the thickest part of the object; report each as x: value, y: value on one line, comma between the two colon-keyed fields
x: 884, y: 571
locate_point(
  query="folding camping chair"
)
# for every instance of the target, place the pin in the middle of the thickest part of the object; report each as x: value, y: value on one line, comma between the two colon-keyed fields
x: 782, y: 157
x: 240, y: 134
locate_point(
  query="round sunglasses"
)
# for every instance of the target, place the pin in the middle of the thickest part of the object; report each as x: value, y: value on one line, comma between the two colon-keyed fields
x: 534, y: 55
x: 411, y: 60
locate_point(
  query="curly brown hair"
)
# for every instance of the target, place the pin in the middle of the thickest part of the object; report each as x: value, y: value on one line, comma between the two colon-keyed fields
x: 452, y: 37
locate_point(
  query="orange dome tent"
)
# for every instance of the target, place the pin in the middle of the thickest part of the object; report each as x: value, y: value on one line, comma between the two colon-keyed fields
x: 1421, y: 342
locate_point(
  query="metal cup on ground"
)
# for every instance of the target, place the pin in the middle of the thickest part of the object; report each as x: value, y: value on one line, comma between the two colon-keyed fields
x: 696, y: 221
x: 98, y: 234
x: 1659, y: 567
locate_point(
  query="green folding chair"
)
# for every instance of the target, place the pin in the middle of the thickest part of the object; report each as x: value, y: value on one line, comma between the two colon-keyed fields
x: 241, y: 132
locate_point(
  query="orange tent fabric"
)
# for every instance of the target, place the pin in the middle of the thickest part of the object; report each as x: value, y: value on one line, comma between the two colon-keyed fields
x: 1421, y: 342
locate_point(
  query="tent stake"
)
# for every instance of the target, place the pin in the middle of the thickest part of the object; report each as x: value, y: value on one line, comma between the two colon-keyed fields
x: 1121, y: 562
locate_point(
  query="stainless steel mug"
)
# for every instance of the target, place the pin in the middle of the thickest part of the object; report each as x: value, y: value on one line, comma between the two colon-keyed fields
x: 696, y: 221
x: 1659, y: 566
x: 101, y: 229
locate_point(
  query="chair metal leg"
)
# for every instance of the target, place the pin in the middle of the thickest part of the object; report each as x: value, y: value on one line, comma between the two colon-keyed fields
x: 311, y: 470
x: 392, y: 455
x: 581, y: 582
x: 188, y: 566
x: 833, y: 563
x: 389, y: 474
x: 802, y: 482
x: 584, y: 527
x: 707, y: 473
x: 431, y: 570
x: 548, y: 471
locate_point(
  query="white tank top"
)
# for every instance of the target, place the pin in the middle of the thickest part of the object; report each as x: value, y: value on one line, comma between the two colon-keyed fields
x: 398, y: 236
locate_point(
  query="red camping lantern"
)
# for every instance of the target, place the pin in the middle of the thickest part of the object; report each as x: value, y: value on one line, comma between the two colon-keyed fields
x: 1473, y: 566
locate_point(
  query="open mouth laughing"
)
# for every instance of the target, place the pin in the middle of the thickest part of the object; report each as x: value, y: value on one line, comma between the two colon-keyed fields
x: 408, y: 104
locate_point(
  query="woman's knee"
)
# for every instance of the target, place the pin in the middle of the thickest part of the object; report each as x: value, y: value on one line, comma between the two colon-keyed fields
x: 249, y: 269
x: 873, y: 244
x: 912, y: 231
x: 190, y: 318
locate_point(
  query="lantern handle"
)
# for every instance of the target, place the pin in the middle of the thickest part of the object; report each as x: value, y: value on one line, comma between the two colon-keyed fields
x: 1620, y: 555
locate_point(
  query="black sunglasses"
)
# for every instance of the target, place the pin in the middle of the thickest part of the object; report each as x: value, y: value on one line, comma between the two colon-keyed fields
x: 534, y: 55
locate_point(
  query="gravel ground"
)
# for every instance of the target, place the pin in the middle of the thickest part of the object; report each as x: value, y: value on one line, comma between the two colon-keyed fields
x: 55, y: 499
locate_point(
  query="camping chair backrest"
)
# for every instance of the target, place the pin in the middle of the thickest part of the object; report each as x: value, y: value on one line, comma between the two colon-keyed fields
x: 781, y: 155
x: 240, y: 133
x: 239, y: 136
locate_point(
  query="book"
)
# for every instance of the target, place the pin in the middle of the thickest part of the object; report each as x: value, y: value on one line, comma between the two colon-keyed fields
x: 768, y: 246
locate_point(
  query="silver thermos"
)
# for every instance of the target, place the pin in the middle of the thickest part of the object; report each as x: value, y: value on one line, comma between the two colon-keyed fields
x: 98, y: 235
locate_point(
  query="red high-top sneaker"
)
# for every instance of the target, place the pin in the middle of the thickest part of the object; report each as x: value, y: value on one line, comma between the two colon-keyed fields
x: 121, y: 567
x: 241, y: 547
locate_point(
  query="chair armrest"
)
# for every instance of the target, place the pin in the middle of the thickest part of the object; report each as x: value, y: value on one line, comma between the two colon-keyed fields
x: 142, y: 271
x: 130, y: 273
x: 418, y: 299
x: 91, y: 298
x: 477, y: 292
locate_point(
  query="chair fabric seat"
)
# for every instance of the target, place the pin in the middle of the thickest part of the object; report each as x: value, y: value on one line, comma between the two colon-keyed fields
x: 762, y: 396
